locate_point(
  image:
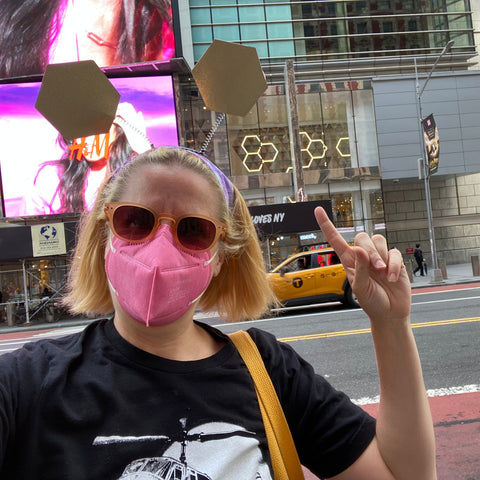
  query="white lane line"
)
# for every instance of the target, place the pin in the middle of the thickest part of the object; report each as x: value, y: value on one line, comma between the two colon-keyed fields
x: 60, y: 331
x: 434, y: 392
x: 444, y: 300
x: 20, y: 341
x: 14, y: 344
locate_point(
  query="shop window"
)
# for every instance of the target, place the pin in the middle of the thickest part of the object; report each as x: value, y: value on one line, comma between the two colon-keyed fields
x: 334, y: 127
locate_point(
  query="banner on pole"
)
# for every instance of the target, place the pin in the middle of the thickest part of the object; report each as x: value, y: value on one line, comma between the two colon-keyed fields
x: 432, y: 143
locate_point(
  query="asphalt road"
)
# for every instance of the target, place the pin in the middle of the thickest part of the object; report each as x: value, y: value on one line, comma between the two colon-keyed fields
x: 337, y: 341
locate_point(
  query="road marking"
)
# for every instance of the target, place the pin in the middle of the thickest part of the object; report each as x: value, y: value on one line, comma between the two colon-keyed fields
x: 303, y: 311
x: 343, y: 333
x: 444, y: 300
x: 61, y: 331
x: 20, y: 341
x: 434, y: 392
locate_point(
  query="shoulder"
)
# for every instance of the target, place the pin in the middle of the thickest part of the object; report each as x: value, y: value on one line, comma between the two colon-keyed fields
x: 37, y: 360
x: 330, y: 432
x: 279, y: 357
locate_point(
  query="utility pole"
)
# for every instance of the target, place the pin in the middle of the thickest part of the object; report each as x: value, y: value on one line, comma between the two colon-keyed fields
x: 435, y: 272
x: 294, y: 133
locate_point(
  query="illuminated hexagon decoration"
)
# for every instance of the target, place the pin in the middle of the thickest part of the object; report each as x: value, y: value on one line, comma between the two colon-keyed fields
x: 256, y: 153
x: 251, y: 144
x: 268, y: 152
x: 314, y: 149
x: 339, y: 143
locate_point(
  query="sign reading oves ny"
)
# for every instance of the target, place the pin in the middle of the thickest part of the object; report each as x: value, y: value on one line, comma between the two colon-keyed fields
x: 288, y: 217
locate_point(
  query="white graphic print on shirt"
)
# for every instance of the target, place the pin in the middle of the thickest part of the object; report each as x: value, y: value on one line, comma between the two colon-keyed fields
x: 208, y: 452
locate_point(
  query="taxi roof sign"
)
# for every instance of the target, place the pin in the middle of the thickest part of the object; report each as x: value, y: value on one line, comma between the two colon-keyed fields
x: 77, y: 99
x: 229, y: 77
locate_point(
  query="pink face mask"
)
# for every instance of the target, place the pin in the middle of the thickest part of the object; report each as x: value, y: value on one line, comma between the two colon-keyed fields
x: 156, y: 282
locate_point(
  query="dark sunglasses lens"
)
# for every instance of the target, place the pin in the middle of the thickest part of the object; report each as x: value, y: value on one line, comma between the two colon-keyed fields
x: 196, y: 233
x: 133, y: 223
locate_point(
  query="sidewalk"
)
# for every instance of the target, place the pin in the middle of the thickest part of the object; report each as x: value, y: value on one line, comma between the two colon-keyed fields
x: 456, y: 274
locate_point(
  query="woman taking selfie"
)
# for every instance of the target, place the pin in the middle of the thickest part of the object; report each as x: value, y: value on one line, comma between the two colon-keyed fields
x: 151, y: 391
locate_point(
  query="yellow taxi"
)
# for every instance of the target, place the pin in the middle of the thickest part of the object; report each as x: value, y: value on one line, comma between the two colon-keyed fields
x: 315, y: 276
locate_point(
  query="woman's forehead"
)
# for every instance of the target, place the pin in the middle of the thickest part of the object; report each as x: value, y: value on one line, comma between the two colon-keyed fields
x: 160, y: 183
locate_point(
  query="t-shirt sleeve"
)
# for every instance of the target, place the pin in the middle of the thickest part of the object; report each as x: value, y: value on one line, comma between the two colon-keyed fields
x: 7, y: 404
x: 329, y: 431
x: 21, y: 379
x: 12, y: 375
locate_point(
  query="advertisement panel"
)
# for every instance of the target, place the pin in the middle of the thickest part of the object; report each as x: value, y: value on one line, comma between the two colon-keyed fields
x: 48, y: 239
x: 44, y: 174
x: 432, y: 143
x: 34, y: 34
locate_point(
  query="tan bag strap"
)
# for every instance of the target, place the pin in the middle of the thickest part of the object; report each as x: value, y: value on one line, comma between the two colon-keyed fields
x: 285, y: 462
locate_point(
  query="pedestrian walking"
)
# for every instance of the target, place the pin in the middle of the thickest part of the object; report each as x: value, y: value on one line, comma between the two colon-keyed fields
x: 418, y: 254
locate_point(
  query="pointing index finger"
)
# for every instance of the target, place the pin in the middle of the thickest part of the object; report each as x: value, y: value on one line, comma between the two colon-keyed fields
x: 331, y: 234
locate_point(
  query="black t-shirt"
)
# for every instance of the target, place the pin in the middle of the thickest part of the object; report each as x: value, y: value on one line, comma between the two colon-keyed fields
x: 93, y: 406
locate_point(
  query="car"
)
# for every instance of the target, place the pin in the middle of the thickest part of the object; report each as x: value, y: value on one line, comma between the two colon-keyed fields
x: 314, y: 276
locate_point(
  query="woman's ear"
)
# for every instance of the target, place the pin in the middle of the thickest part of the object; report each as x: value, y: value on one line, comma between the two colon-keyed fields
x: 217, y: 264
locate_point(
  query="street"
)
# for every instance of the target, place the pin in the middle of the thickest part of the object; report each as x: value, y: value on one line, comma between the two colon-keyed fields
x: 337, y: 342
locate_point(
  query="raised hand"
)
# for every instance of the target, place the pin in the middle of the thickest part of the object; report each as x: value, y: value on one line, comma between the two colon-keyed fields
x: 377, y: 275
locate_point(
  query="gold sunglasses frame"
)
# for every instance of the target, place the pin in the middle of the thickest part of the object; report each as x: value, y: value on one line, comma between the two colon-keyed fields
x: 111, y: 207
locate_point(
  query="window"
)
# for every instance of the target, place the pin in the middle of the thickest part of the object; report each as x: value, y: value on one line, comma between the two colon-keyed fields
x: 387, y: 26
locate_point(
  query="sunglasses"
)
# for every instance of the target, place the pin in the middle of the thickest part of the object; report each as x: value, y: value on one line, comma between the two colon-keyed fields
x: 136, y: 223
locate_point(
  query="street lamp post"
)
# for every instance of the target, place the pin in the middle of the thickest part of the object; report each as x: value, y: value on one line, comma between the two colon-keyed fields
x: 435, y: 272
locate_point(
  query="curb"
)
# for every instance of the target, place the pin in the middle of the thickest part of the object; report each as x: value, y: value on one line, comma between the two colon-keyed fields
x: 446, y: 284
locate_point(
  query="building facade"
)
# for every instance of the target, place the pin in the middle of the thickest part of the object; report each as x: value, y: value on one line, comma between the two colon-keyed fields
x: 356, y: 66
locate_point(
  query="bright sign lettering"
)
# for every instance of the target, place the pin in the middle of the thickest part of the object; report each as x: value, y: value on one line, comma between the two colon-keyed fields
x: 99, y: 147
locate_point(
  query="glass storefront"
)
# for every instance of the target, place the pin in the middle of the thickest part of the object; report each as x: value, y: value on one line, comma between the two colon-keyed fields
x: 337, y: 133
x: 31, y: 290
x: 339, y: 157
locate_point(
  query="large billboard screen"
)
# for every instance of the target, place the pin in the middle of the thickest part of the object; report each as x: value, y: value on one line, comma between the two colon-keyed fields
x: 34, y: 34
x: 43, y: 174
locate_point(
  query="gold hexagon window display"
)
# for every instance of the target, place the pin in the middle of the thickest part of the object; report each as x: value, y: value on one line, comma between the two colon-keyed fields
x: 251, y: 144
x: 268, y: 152
x: 316, y: 145
x: 340, y: 141
x: 252, y: 160
x: 257, y: 153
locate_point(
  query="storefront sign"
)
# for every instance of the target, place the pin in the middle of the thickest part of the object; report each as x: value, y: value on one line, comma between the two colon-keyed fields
x: 48, y: 239
x: 311, y: 238
x: 288, y: 217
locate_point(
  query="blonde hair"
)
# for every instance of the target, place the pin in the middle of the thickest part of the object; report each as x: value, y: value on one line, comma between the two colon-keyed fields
x: 241, y: 289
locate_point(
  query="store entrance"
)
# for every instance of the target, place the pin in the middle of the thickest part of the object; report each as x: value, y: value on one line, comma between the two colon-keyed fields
x: 31, y: 290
